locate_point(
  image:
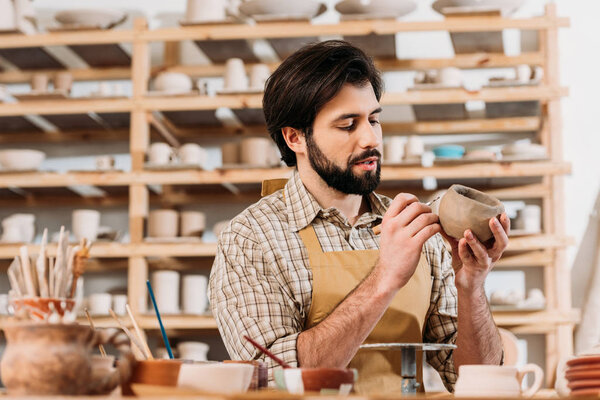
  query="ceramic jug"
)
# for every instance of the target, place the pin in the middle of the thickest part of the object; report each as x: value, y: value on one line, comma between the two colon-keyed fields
x: 56, y: 359
x: 496, y: 381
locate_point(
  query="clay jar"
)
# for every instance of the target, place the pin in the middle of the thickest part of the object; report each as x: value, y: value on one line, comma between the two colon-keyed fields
x: 463, y: 208
x: 298, y: 380
x: 56, y: 359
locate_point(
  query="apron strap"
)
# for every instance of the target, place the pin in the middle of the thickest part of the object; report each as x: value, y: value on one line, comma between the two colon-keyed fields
x: 270, y: 186
x: 311, y: 242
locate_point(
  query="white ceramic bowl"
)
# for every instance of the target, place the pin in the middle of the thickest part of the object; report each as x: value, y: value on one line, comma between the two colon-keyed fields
x: 173, y: 82
x: 21, y: 160
x: 304, y: 8
x: 507, y: 6
x: 100, y: 17
x: 396, y: 8
x: 217, y: 378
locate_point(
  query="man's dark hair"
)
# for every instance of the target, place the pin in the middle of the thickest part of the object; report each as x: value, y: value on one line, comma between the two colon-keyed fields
x: 309, y: 79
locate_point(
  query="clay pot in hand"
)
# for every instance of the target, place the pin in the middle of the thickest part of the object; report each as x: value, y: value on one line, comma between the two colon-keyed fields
x: 463, y: 208
x: 56, y: 359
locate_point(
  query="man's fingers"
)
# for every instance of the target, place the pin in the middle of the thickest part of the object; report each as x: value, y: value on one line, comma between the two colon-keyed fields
x: 463, y: 251
x: 400, y: 202
x: 411, y: 212
x: 478, y: 249
x: 500, y: 232
x: 428, y: 231
x: 420, y: 222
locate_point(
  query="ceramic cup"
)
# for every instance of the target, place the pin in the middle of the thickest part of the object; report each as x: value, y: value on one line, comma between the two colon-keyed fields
x: 195, y: 351
x: 529, y: 218
x: 63, y: 81
x: 192, y: 154
x: 172, y: 82
x: 414, y: 147
x: 159, y: 372
x: 205, y: 10
x: 450, y: 76
x: 256, y: 151
x: 163, y: 223
x: 119, y: 304
x: 523, y: 73
x: 8, y: 18
x: 105, y: 162
x: 39, y: 82
x: 18, y: 228
x: 193, y: 223
x: 393, y: 150
x: 99, y: 303
x: 230, y: 153
x: 259, y: 75
x: 235, y: 75
x: 85, y: 224
x: 166, y: 291
x: 160, y: 154
x: 497, y: 381
x: 194, y: 296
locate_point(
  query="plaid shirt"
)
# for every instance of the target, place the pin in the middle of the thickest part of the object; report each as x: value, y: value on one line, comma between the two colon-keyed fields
x: 261, y: 281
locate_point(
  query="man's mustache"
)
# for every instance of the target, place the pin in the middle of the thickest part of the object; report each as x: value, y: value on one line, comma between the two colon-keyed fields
x: 364, y: 155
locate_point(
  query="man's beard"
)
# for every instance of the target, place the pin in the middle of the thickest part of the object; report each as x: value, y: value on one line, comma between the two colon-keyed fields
x: 344, y: 180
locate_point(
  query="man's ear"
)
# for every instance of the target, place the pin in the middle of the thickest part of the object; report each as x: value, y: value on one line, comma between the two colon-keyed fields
x: 295, y: 139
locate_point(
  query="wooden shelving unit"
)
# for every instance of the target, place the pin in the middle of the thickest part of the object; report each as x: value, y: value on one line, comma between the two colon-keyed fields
x: 133, y: 119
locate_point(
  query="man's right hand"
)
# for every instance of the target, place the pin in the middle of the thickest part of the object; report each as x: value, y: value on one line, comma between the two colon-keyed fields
x: 406, y: 226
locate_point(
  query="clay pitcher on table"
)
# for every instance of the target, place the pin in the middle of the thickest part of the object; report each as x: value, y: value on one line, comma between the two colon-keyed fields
x: 56, y: 359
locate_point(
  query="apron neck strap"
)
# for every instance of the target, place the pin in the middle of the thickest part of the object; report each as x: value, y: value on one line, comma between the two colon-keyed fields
x: 311, y: 242
x: 270, y: 186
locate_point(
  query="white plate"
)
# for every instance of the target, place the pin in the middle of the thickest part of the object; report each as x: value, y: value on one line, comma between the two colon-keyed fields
x: 100, y: 17
x: 507, y: 6
x: 267, y: 9
x: 389, y: 8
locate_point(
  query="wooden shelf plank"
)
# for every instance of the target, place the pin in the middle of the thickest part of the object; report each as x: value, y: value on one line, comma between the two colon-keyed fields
x: 290, y: 29
x: 99, y: 250
x: 194, y: 249
x: 449, y: 96
x: 516, y: 318
x: 74, y: 106
x: 67, y: 38
x: 53, y: 179
x: 529, y: 259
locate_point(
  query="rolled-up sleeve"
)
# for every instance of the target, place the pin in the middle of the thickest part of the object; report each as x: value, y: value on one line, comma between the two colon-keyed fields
x: 442, y: 321
x: 248, y: 299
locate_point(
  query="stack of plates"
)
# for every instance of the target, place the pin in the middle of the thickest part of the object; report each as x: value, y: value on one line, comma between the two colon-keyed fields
x: 583, y: 374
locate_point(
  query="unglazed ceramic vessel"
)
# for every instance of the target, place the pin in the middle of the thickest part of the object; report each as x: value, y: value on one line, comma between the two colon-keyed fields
x: 496, y: 381
x: 56, y: 359
x: 299, y: 380
x: 463, y: 208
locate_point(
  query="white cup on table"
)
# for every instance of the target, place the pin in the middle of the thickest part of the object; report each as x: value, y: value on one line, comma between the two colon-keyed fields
x: 160, y: 154
x: 99, y: 303
x: 166, y: 291
x: 193, y: 154
x: 85, y: 224
x: 235, y: 75
x: 163, y: 223
x: 194, y: 295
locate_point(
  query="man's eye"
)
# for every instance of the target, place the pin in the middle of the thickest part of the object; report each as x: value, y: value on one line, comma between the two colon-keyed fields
x: 347, y: 128
x: 374, y: 122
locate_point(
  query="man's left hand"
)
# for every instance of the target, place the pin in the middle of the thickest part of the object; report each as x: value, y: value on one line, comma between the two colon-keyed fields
x: 471, y: 260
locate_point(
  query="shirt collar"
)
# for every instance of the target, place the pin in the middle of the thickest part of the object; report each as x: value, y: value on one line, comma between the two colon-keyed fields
x: 303, y: 208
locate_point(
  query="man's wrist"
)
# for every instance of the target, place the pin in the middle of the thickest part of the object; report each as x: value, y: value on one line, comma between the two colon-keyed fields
x: 475, y: 291
x: 384, y: 284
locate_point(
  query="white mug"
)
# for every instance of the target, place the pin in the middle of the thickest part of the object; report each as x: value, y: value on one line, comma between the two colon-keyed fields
x: 523, y: 73
x: 160, y: 154
x: 450, y: 76
x: 393, y: 150
x: 259, y: 75
x: 194, y: 296
x: 256, y: 151
x: 119, y: 304
x: 99, y: 303
x: 166, y: 291
x: 163, y: 223
x: 235, y: 75
x: 193, y: 223
x: 18, y: 228
x: 531, y: 216
x: 193, y: 154
x: 85, y: 224
x: 195, y: 351
x: 205, y: 10
x: 414, y: 147
x: 495, y: 380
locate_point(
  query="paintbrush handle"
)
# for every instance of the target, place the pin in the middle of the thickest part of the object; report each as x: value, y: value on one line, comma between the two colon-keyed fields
x: 26, y: 268
x: 128, y: 333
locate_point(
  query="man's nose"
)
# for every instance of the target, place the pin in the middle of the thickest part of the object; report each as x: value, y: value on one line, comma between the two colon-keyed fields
x: 370, y: 136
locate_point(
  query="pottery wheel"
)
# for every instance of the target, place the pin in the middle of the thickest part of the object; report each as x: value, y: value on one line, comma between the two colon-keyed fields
x: 408, y: 369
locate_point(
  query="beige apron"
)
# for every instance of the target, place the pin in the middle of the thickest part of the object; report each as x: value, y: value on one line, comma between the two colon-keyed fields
x: 337, y: 273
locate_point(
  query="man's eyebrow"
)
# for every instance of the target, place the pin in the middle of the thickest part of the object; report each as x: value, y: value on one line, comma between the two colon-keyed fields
x: 354, y: 115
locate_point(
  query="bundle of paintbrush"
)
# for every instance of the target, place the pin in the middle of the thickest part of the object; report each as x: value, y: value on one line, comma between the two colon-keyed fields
x: 43, y: 285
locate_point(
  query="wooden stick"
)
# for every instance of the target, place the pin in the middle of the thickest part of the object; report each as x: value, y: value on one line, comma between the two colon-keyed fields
x: 26, y: 268
x: 139, y: 333
x: 87, y: 314
x: 128, y: 333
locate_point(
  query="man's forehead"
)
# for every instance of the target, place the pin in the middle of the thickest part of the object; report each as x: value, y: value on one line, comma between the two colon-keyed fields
x: 352, y: 99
